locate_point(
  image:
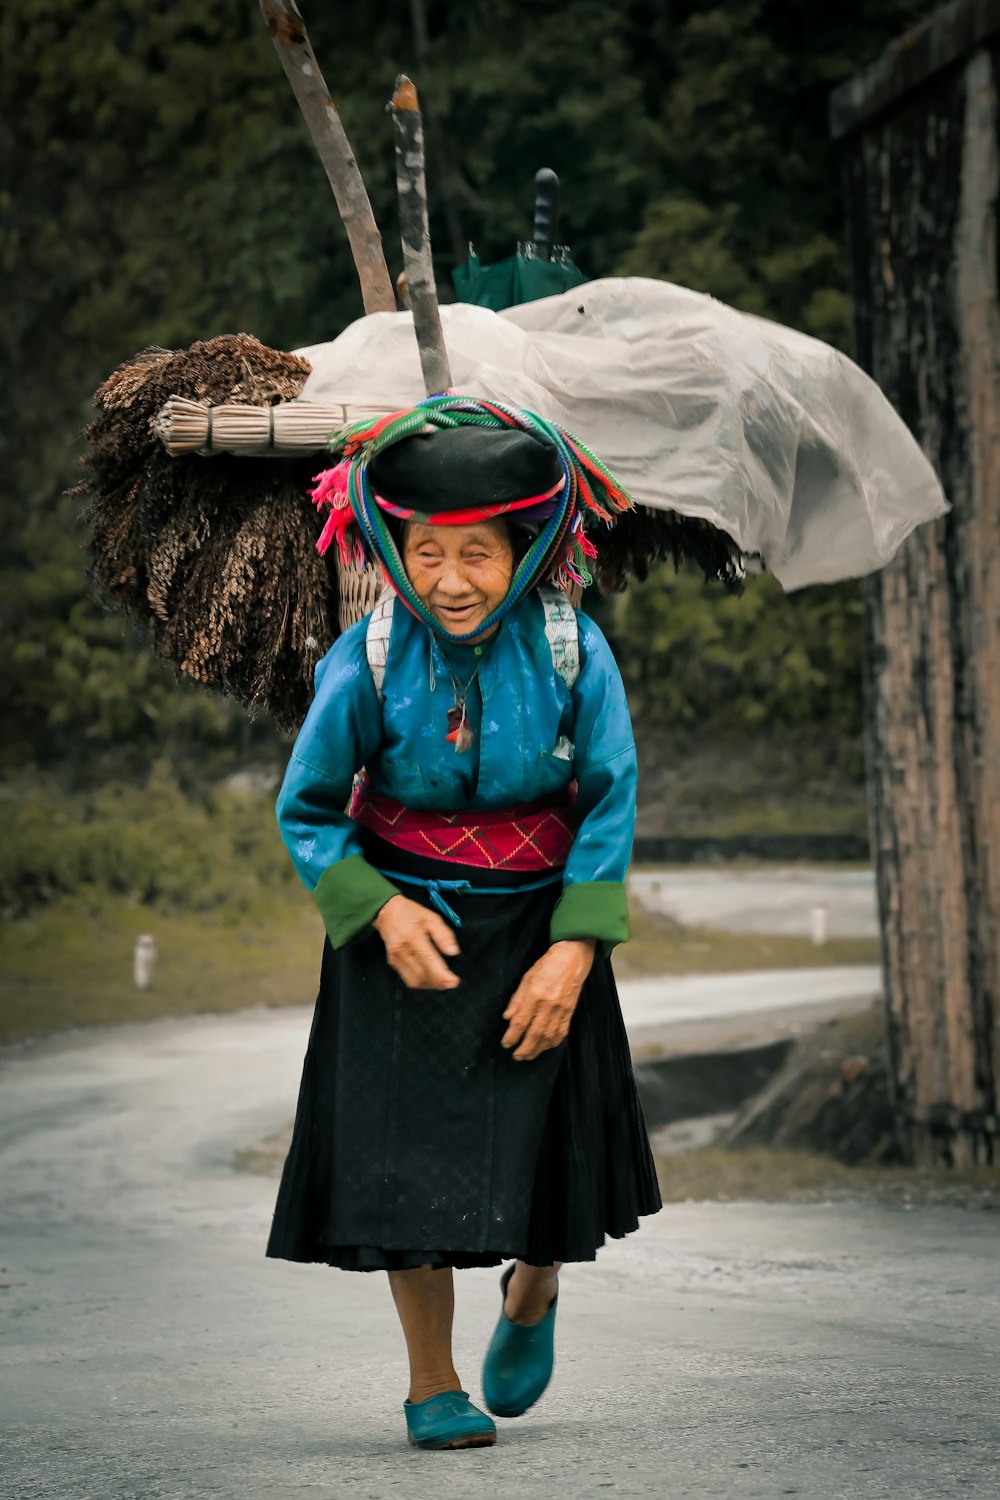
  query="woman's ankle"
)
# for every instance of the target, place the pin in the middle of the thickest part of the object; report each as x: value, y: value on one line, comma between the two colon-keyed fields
x: 424, y: 1386
x: 530, y: 1293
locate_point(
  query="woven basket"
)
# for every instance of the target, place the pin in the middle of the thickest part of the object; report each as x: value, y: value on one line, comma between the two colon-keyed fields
x: 358, y: 593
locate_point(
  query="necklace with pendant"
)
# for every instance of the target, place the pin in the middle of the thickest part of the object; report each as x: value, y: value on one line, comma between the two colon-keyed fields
x: 459, y: 734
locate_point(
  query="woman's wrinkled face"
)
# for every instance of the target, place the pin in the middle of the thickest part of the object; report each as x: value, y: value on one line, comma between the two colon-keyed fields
x: 460, y: 573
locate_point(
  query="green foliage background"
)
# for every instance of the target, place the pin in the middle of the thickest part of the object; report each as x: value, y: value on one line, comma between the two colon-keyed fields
x: 160, y: 187
x: 154, y: 846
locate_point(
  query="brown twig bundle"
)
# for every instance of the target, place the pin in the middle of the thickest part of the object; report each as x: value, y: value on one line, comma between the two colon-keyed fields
x: 217, y: 555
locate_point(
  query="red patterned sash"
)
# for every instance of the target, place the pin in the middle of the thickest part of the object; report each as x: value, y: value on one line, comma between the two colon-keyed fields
x: 535, y: 836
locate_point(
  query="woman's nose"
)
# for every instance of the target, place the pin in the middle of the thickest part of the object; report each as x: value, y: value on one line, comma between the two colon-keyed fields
x: 452, y: 579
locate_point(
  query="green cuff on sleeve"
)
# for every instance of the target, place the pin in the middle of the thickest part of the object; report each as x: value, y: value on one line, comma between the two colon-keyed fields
x: 593, y: 909
x: 350, y: 894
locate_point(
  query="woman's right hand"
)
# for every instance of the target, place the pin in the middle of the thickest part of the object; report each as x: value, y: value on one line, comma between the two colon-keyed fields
x: 415, y: 939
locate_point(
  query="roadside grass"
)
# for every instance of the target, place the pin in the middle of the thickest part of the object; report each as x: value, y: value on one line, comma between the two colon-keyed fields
x: 744, y: 863
x: 82, y: 874
x: 780, y: 1175
x: 70, y: 963
x: 711, y: 786
x: 659, y: 945
x: 770, y: 817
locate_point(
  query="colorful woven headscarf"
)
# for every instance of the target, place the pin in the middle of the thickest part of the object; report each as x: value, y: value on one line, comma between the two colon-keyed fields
x: 589, y: 498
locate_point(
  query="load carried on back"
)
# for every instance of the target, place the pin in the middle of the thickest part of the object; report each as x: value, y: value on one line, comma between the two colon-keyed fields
x: 740, y: 442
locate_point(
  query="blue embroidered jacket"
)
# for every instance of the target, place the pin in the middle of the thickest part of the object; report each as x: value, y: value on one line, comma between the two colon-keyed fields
x: 532, y: 736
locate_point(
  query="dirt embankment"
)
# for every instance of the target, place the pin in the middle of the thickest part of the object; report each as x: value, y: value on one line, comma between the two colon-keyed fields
x: 830, y: 1095
x: 819, y: 1130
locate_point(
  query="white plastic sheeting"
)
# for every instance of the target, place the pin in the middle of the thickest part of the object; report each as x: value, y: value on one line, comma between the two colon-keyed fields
x: 775, y: 437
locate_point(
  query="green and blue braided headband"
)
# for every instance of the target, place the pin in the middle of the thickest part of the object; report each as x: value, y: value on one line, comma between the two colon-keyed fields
x: 588, y: 499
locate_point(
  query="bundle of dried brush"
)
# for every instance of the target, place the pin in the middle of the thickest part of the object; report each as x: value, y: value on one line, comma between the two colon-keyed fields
x: 217, y: 555
x: 644, y: 537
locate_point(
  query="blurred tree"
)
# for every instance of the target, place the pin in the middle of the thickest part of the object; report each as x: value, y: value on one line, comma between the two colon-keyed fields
x: 787, y: 665
x: 156, y: 168
x: 160, y: 187
x: 748, y: 206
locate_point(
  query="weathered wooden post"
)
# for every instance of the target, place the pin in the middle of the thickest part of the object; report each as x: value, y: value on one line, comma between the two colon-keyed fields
x: 418, y: 263
x: 919, y: 131
x: 288, y: 32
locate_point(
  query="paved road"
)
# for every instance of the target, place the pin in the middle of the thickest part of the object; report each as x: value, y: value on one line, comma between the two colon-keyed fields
x: 765, y: 900
x: 707, y: 997
x: 728, y: 1351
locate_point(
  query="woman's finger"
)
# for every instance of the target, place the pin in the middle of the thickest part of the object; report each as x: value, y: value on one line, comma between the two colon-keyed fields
x: 549, y: 1026
x: 526, y: 997
x: 432, y: 973
x: 515, y: 1031
x: 546, y: 1031
x: 420, y: 966
x: 517, y: 1001
x: 519, y: 1013
x: 405, y: 961
x: 441, y: 935
x: 437, y: 976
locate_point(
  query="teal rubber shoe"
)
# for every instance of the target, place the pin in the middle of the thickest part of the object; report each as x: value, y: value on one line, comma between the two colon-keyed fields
x: 448, y: 1420
x: 518, y: 1363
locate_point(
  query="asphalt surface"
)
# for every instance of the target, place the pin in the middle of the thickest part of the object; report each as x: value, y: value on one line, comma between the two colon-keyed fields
x: 730, y: 1350
x: 709, y: 997
x: 775, y: 900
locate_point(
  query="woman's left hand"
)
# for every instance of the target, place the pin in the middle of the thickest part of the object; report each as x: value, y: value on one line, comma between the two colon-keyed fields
x: 543, y: 1003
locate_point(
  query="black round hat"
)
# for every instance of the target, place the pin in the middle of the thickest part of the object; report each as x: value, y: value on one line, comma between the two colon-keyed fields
x: 457, y: 468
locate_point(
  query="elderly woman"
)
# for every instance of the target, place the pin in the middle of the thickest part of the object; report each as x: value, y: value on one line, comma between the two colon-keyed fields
x: 467, y: 1096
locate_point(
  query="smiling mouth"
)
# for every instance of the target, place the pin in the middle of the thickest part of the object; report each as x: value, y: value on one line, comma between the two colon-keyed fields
x: 457, y: 611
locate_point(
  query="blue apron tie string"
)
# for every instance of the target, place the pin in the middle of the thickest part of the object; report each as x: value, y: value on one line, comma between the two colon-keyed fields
x: 438, y: 901
x: 465, y: 888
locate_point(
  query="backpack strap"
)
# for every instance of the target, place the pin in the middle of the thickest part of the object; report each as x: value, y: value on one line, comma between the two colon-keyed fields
x: 562, y: 633
x: 377, y: 639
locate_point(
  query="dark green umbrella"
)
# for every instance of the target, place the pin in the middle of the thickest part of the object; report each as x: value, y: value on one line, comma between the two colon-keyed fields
x: 539, y: 269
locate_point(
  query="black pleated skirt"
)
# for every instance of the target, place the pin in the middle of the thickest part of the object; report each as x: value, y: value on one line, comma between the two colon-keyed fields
x: 418, y: 1140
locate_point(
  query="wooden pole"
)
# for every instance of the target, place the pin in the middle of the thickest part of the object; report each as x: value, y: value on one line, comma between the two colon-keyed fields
x: 415, y: 234
x: 288, y: 32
